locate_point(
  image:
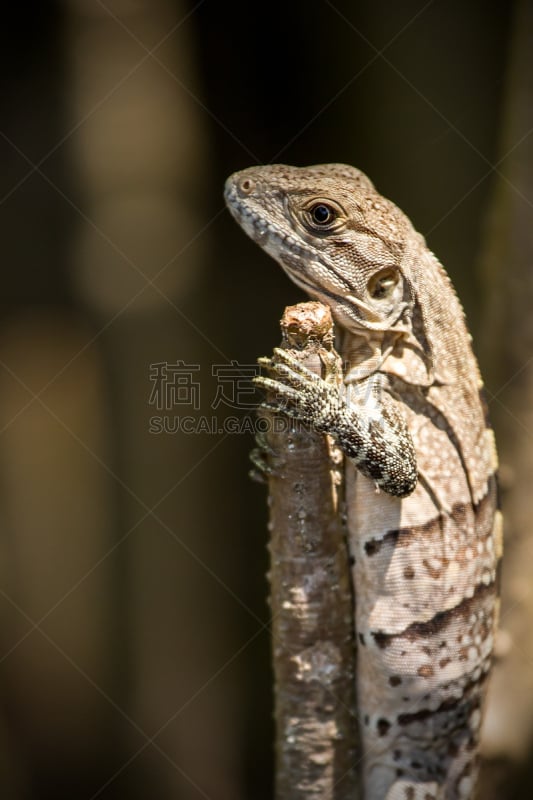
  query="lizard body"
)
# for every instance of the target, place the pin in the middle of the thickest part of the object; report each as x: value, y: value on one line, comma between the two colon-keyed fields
x: 412, y: 423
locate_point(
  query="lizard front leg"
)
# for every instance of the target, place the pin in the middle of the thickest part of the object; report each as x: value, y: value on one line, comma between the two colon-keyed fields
x: 367, y: 426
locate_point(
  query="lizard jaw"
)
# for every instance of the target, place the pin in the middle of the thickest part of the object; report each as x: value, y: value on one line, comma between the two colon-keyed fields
x: 269, y: 237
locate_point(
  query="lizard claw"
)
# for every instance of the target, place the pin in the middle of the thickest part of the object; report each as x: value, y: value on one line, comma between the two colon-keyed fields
x: 261, y: 468
x: 283, y: 360
x: 300, y: 393
x: 263, y: 458
x: 288, y: 399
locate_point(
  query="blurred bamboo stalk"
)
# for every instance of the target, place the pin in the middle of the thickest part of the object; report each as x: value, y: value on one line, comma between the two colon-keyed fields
x: 141, y: 155
x: 507, y: 348
x: 57, y: 520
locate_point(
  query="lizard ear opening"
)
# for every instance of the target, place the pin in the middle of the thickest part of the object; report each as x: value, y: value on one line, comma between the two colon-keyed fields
x: 382, y: 283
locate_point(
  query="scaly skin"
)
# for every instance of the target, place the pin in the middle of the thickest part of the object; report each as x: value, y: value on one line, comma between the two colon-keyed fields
x: 412, y: 423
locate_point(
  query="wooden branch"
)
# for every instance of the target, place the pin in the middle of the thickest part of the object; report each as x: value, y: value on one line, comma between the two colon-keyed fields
x: 311, y: 597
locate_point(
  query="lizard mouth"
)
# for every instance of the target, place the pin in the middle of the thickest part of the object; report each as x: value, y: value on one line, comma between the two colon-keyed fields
x: 281, y: 246
x: 251, y: 222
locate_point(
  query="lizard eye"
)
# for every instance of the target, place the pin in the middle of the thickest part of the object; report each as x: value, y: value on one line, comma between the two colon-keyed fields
x: 382, y: 283
x: 322, y: 214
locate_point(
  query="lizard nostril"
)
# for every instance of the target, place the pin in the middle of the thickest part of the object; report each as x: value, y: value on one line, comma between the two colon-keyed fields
x: 246, y: 186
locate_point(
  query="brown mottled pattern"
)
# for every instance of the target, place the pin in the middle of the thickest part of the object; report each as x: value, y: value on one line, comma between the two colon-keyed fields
x: 426, y: 615
x: 426, y: 582
x: 425, y: 566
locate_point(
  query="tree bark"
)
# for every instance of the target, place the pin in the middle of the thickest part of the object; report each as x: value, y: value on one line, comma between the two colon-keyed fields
x: 311, y: 598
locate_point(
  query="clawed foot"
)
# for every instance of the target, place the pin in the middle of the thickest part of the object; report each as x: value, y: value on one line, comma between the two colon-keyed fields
x: 299, y: 392
x: 261, y: 457
x: 370, y: 431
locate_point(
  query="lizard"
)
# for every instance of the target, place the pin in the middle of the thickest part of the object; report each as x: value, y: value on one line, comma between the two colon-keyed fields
x: 423, y: 518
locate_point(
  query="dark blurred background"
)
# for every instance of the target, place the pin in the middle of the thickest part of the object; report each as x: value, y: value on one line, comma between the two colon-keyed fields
x: 135, y: 653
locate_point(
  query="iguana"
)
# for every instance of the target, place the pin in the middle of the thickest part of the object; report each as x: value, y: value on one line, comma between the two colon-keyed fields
x: 425, y: 532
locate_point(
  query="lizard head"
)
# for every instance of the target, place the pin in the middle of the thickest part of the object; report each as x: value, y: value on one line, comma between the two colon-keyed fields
x: 333, y: 234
